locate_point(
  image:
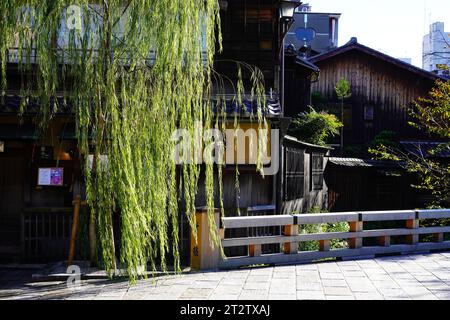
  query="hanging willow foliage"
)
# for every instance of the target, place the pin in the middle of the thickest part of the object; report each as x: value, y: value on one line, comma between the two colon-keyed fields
x: 133, y: 71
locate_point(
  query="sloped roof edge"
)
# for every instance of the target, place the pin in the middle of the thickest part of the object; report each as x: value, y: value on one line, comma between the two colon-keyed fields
x: 353, y: 44
x: 306, y: 144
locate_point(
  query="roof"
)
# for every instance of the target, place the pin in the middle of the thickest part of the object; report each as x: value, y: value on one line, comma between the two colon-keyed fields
x: 425, y: 148
x: 306, y: 144
x: 354, y: 45
x: 355, y: 162
x: 306, y: 64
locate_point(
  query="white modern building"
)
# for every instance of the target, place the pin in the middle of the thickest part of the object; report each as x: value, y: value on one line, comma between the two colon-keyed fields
x: 436, y: 49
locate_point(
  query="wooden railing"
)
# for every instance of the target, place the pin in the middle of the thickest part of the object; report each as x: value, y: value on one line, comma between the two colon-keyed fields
x: 291, y: 238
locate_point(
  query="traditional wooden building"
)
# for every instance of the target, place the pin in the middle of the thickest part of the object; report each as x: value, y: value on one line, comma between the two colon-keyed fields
x: 35, y: 215
x: 382, y: 89
x: 304, y: 186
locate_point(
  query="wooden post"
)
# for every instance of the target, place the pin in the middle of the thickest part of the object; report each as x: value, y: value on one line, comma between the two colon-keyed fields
x: 324, y: 245
x: 384, y: 241
x: 73, y: 236
x: 204, y: 256
x: 412, y: 224
x: 254, y: 250
x: 291, y: 247
x: 438, y: 237
x: 355, y: 226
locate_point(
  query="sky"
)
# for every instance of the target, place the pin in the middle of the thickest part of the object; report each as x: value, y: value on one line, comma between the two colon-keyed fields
x: 394, y: 27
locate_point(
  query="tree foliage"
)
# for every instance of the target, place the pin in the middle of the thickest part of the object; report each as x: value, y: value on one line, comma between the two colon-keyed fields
x: 431, y: 114
x: 315, y: 127
x: 129, y: 101
x: 342, y: 89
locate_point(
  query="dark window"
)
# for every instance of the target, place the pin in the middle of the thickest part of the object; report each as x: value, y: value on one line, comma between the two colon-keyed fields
x: 368, y: 113
x: 294, y: 174
x: 316, y: 171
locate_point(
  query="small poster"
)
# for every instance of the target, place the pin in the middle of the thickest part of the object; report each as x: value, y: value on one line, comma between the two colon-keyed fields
x: 50, y: 177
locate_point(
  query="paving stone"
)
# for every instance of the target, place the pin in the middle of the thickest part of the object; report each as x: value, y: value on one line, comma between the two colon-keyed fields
x: 197, y: 293
x: 310, y: 295
x: 259, y: 278
x: 283, y: 297
x: 221, y: 296
x: 257, y: 285
x: 385, y: 284
x: 204, y: 284
x: 393, y: 293
x: 309, y: 286
x: 334, y: 283
x: 332, y: 297
x: 337, y: 291
x: 254, y: 294
x: 331, y: 275
x: 368, y: 296
x: 353, y: 273
x: 419, y: 277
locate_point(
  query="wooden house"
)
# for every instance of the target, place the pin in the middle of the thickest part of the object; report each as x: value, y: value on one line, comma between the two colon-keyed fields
x: 382, y: 89
x: 304, y: 186
x: 35, y: 217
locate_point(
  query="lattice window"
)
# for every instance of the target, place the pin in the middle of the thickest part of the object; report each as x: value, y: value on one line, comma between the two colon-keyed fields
x: 294, y: 178
x: 316, y: 171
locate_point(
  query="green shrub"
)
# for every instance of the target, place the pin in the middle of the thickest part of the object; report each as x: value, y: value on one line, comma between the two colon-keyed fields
x: 322, y: 228
x: 315, y: 127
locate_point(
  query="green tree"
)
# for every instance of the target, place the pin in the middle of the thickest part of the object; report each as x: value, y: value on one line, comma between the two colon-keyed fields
x: 134, y: 71
x: 431, y: 114
x: 315, y: 127
x: 343, y: 92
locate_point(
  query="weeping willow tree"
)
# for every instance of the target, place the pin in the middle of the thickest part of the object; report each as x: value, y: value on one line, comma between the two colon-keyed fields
x: 133, y: 71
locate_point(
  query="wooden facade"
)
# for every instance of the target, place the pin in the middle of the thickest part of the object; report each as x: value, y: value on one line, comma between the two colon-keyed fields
x: 382, y: 89
x: 35, y: 221
x: 304, y: 186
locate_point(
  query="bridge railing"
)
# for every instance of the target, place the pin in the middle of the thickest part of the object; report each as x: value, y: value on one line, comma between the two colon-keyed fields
x: 291, y: 237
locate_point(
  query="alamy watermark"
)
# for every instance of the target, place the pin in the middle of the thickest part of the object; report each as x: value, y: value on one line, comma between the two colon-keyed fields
x: 229, y: 146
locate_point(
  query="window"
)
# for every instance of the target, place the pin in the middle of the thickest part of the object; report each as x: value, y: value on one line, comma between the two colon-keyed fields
x: 316, y: 171
x: 294, y: 178
x: 368, y: 113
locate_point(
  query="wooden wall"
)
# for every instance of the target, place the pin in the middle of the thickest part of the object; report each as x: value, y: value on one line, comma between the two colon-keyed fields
x: 307, y: 196
x: 374, y: 82
x: 250, y: 34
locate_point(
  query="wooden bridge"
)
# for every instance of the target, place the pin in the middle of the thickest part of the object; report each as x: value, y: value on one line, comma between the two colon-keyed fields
x: 210, y: 258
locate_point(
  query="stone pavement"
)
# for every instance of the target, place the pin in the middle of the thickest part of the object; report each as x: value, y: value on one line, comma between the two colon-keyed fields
x: 400, y: 277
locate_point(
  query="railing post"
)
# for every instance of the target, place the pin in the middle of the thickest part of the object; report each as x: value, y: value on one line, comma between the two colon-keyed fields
x: 438, y: 237
x: 73, y: 236
x: 204, y: 256
x: 324, y: 245
x: 384, y: 241
x: 254, y: 250
x: 291, y: 230
x: 413, y: 224
x: 356, y: 226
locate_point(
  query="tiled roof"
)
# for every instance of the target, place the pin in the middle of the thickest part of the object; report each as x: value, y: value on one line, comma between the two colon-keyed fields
x: 355, y: 162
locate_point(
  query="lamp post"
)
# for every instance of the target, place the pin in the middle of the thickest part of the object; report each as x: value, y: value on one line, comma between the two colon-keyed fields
x: 287, y: 9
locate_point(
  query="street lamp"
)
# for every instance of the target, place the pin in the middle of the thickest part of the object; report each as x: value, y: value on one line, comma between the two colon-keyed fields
x: 287, y: 9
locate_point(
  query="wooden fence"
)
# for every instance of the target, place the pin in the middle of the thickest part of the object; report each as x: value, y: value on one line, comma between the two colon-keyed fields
x: 290, y: 238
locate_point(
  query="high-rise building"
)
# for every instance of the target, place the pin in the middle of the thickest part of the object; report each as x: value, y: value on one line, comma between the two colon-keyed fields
x: 318, y: 31
x: 436, y: 49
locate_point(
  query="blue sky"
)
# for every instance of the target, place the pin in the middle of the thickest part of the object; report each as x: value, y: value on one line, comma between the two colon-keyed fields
x: 395, y: 27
